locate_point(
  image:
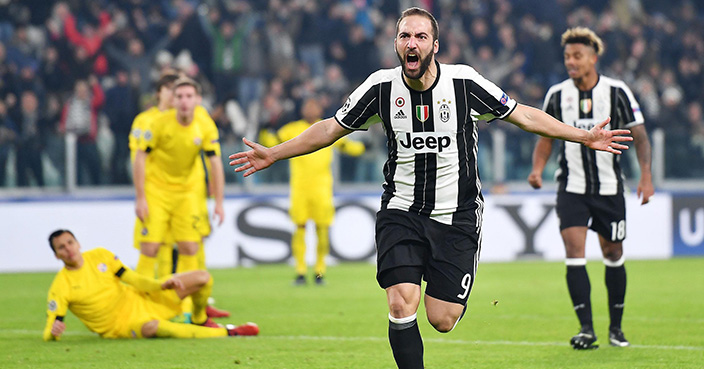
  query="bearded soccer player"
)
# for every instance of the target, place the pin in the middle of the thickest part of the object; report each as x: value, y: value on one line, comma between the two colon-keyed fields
x: 91, y: 285
x: 311, y: 193
x: 169, y: 198
x: 590, y: 182
x: 429, y: 225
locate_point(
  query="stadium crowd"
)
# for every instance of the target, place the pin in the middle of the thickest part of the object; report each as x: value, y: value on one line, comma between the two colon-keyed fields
x: 88, y: 67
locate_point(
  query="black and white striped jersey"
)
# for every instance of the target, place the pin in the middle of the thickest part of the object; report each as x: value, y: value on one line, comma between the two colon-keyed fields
x: 431, y: 138
x: 583, y: 170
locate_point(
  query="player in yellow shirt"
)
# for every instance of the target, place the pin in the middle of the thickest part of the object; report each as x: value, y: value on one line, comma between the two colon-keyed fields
x: 167, y: 198
x: 91, y: 286
x: 164, y: 97
x: 311, y: 193
x: 164, y: 259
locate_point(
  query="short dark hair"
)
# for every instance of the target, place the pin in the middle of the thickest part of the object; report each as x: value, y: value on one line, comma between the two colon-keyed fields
x: 424, y: 13
x: 55, y: 234
x: 167, y: 80
x: 584, y: 36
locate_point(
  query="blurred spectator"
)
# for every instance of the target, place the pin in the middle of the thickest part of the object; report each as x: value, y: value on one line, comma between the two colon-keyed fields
x: 136, y: 60
x: 8, y: 135
x: 228, y: 41
x: 121, y: 106
x: 80, y: 117
x: 30, y: 140
x: 190, y: 36
x: 311, y: 50
x: 54, y: 138
x: 90, y: 38
x: 50, y: 72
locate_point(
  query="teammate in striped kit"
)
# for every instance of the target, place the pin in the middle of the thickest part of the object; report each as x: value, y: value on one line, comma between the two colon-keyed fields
x: 429, y: 225
x: 590, y: 182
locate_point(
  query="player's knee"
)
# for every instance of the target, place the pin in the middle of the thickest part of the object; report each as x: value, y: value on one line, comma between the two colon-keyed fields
x: 399, y: 308
x: 443, y: 324
x: 202, y: 277
x: 613, y: 254
x: 149, y: 328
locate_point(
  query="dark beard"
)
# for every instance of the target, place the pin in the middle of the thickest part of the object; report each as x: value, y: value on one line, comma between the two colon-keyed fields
x: 424, y: 64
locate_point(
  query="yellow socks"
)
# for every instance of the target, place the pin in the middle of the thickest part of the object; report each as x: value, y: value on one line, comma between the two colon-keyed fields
x: 145, y: 265
x: 165, y: 261
x: 323, y: 249
x: 200, y: 302
x: 200, y: 255
x: 186, y: 263
x: 180, y: 330
x: 298, y: 249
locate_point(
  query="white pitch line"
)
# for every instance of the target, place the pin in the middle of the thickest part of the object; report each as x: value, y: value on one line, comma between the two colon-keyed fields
x: 8, y: 332
x: 475, y: 342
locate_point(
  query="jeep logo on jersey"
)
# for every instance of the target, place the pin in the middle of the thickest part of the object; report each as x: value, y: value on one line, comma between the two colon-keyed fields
x: 424, y: 142
x: 422, y: 112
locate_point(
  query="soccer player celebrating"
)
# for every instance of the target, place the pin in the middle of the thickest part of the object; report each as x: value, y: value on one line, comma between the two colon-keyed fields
x: 91, y: 285
x: 429, y: 225
x: 590, y: 182
x: 311, y: 194
x: 167, y: 199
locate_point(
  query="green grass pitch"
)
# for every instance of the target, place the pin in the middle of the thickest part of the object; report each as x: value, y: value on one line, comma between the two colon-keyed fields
x: 343, y: 324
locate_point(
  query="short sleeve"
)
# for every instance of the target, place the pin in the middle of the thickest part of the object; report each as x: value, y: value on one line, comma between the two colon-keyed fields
x: 489, y: 102
x: 149, y: 139
x: 361, y: 109
x: 628, y: 108
x: 211, y: 138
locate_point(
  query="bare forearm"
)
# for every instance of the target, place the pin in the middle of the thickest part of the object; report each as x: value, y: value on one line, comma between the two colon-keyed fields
x: 537, y: 121
x: 138, y: 173
x: 218, y: 178
x: 319, y: 135
x: 643, y: 150
x: 541, y: 153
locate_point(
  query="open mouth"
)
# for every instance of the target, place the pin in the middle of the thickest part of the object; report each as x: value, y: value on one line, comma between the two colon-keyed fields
x: 412, y: 60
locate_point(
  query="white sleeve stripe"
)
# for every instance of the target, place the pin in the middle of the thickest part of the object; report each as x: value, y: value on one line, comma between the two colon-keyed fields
x: 362, y: 114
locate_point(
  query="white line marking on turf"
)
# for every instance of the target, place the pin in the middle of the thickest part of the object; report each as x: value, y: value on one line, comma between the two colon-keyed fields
x: 475, y: 342
x: 384, y: 339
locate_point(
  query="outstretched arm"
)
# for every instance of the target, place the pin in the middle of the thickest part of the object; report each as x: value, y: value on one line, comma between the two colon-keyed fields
x: 319, y: 135
x: 537, y: 121
x: 147, y: 284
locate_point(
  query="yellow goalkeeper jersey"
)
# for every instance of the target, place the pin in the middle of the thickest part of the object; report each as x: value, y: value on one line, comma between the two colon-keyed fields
x: 174, y: 150
x: 314, y: 169
x: 93, y: 293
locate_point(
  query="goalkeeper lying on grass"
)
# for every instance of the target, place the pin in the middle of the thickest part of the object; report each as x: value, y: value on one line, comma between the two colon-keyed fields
x: 91, y: 286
